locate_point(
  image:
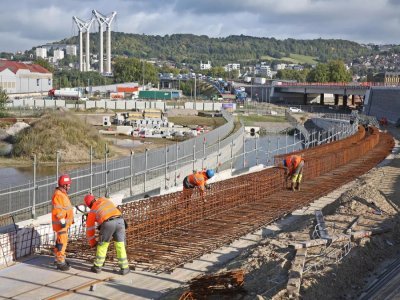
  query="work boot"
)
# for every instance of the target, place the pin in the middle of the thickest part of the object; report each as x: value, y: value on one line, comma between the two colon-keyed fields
x: 298, y: 186
x: 95, y: 269
x: 124, y: 271
x: 63, y: 267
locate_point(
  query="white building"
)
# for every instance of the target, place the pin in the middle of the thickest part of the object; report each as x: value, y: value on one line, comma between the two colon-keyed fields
x: 58, y: 54
x: 71, y: 50
x: 41, y: 52
x: 17, y: 77
x: 263, y: 69
x: 230, y: 67
x: 206, y: 66
x: 280, y: 67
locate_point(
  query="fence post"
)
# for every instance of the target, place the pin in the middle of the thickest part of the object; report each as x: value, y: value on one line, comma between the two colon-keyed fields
x: 34, y: 188
x: 57, y: 164
x: 244, y: 151
x: 166, y: 167
x: 231, y: 156
x: 176, y: 160
x: 106, y: 169
x: 194, y: 155
x: 218, y: 153
x: 131, y: 175
x: 91, y: 169
x: 204, y: 152
x: 145, y: 170
x: 256, y: 147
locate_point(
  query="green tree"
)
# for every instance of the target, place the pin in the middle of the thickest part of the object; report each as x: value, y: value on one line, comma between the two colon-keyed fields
x: 338, y: 72
x: 45, y: 64
x: 133, y: 69
x: 3, y: 101
x: 319, y: 74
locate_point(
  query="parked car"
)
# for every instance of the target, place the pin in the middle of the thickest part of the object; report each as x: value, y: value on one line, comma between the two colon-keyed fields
x: 295, y: 110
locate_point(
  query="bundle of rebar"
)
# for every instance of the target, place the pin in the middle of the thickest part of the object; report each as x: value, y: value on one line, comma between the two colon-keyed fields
x: 168, y: 231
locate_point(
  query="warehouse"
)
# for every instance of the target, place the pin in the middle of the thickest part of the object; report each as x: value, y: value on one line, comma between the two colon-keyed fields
x: 17, y: 77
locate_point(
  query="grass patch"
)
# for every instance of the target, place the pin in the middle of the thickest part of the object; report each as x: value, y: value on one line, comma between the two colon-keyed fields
x: 251, y: 119
x: 196, y: 120
x: 59, y: 131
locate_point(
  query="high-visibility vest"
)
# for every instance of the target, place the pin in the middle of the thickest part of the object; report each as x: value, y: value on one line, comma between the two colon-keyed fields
x: 292, y: 162
x: 198, y: 179
x: 62, y: 209
x: 101, y: 210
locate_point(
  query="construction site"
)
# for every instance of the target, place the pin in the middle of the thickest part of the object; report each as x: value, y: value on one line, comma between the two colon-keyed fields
x: 249, y: 237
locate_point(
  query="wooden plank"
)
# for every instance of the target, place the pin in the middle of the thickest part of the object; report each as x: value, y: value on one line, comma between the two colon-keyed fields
x: 296, y: 273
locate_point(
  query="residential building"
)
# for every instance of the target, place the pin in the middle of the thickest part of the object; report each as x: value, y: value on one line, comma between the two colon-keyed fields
x: 206, y: 66
x: 58, y: 54
x: 17, y: 77
x: 41, y: 52
x: 71, y: 50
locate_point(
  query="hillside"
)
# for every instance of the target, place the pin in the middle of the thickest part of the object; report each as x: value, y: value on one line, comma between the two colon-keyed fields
x: 189, y: 48
x: 59, y: 130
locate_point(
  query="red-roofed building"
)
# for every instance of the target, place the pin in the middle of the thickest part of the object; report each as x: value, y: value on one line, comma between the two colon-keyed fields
x: 17, y: 77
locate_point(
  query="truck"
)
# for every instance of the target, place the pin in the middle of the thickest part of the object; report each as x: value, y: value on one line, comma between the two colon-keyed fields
x: 65, y: 94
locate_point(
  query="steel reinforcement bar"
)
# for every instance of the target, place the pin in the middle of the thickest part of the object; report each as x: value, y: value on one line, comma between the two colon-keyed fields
x: 168, y: 231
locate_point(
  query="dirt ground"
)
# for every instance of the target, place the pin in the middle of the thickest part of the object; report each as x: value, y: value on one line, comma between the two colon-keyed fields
x: 342, y: 270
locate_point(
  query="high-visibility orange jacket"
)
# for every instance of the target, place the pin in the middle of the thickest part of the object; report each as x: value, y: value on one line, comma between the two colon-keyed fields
x: 101, y: 210
x: 198, y: 179
x: 62, y: 209
x: 292, y: 162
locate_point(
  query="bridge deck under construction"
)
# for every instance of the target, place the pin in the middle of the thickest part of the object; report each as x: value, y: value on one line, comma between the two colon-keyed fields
x: 168, y: 231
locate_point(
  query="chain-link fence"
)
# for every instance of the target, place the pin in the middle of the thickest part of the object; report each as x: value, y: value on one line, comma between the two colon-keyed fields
x: 164, y: 168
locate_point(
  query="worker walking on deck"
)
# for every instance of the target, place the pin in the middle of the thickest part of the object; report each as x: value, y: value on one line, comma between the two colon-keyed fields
x: 62, y: 216
x: 293, y: 165
x: 104, y: 212
x: 196, y: 180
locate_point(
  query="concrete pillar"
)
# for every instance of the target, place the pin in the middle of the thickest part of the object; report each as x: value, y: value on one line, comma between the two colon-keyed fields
x: 336, y: 99
x: 80, y: 51
x: 305, y: 99
x: 87, y: 51
x: 345, y: 97
x: 101, y: 69
x: 108, y: 68
x: 322, y: 99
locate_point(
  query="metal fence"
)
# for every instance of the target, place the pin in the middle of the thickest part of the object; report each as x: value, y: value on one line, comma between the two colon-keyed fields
x: 162, y: 169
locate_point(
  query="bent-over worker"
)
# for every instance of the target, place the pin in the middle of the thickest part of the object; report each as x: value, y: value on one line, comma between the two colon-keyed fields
x: 104, y: 212
x: 294, y: 169
x: 196, y: 180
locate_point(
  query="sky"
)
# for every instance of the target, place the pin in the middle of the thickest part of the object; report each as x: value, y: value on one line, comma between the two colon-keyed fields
x: 29, y: 23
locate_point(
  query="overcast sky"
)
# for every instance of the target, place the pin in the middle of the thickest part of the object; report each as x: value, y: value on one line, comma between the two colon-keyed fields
x: 28, y: 23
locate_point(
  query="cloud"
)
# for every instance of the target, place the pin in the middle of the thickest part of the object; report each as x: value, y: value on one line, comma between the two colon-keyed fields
x: 28, y: 23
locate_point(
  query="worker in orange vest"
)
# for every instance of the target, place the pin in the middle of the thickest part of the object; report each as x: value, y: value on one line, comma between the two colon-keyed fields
x: 62, y: 216
x: 104, y: 212
x: 196, y: 180
x: 293, y: 165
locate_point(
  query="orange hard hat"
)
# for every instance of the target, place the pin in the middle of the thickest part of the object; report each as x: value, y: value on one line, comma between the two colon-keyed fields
x: 64, y: 179
x: 88, y: 199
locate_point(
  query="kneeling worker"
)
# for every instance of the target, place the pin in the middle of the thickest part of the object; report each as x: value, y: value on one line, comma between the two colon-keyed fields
x: 293, y: 165
x: 104, y: 212
x: 196, y: 180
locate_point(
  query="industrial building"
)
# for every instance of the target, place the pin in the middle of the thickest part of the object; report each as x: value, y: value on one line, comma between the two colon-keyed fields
x: 17, y: 77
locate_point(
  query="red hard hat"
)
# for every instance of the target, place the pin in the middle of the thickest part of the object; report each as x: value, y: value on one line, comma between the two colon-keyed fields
x: 88, y: 199
x: 64, y: 179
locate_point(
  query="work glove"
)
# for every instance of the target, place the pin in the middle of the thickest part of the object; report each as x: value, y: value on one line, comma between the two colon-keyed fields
x: 63, y: 223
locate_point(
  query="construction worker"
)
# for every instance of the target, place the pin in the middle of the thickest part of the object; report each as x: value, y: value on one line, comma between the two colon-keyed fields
x: 196, y: 180
x: 62, y: 216
x: 104, y: 212
x: 293, y: 165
